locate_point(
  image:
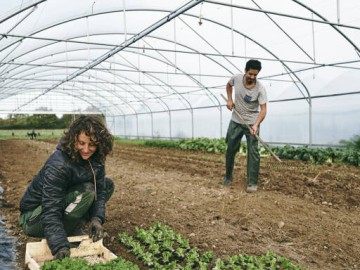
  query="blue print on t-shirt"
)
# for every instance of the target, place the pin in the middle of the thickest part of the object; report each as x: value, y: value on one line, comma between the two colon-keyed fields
x: 247, y: 98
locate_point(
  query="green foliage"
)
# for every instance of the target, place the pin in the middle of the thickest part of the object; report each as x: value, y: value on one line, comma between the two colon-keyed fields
x: 353, y: 144
x: 350, y: 155
x: 159, y: 247
x: 269, y: 261
x: 21, y: 134
x: 118, y: 263
x: 162, y: 143
x: 36, y: 121
x: 66, y: 263
x: 81, y: 264
x: 129, y: 141
x: 319, y: 155
x: 203, y: 144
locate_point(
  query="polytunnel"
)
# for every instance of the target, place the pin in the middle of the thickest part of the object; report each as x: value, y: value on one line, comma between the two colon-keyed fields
x: 157, y: 69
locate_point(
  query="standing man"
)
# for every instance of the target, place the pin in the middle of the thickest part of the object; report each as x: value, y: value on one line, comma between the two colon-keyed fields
x: 250, y: 94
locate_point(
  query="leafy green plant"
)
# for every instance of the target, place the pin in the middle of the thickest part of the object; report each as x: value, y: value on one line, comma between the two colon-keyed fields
x: 269, y: 261
x: 81, y: 264
x: 168, y: 249
x: 162, y: 143
x: 119, y: 264
x: 353, y: 144
x: 171, y: 251
x: 66, y: 263
x: 319, y: 155
x: 350, y: 154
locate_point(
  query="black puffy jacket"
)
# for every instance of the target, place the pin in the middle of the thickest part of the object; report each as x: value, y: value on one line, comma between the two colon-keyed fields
x: 48, y: 189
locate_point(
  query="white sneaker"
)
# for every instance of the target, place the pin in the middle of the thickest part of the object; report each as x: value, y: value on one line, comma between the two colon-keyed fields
x: 251, y: 189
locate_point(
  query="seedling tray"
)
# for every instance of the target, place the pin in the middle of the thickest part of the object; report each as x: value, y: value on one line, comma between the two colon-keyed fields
x: 94, y: 252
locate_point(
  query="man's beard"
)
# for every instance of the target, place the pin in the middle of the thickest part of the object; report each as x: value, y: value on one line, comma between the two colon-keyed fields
x: 249, y: 81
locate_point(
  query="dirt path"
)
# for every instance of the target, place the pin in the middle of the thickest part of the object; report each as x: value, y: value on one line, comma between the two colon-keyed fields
x: 317, y: 205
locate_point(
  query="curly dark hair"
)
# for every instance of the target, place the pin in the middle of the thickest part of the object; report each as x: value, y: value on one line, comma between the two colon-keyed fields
x: 93, y: 127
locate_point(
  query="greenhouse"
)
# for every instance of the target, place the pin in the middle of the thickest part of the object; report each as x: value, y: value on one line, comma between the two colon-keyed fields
x: 123, y: 144
x: 157, y: 69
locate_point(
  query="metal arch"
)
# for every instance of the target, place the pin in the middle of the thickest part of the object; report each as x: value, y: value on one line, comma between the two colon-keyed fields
x: 161, y: 11
x: 19, y: 22
x: 120, y: 97
x: 151, y: 112
x: 124, y: 44
x: 21, y: 10
x: 128, y: 104
x: 282, y: 30
x: 70, y: 94
x: 156, y: 78
x: 314, y: 65
x: 261, y: 46
x: 160, y: 38
x: 100, y: 13
x: 126, y: 50
x: 284, y: 15
x: 15, y: 92
x: 193, y: 78
x: 85, y: 16
x: 331, y: 24
x: 59, y: 90
x: 101, y: 99
x: 76, y: 67
x: 141, y: 54
x: 319, y: 65
x: 85, y: 99
x: 286, y: 66
x: 84, y: 60
x: 255, y: 10
x: 134, y: 47
x: 11, y: 62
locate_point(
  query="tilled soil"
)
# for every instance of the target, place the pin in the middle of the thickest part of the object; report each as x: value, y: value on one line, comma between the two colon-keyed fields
x: 305, y: 212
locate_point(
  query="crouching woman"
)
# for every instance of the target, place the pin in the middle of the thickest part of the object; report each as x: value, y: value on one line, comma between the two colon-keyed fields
x: 71, y: 188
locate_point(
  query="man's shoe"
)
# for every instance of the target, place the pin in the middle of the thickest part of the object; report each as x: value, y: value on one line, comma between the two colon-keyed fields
x: 227, y: 182
x: 250, y: 189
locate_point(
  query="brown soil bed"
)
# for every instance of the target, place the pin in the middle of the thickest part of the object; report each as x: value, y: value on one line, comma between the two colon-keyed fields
x: 317, y: 207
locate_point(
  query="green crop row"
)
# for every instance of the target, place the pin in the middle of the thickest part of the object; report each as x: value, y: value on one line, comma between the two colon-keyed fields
x: 319, y: 155
x: 314, y: 155
x: 161, y: 248
x: 202, y: 144
x: 81, y: 264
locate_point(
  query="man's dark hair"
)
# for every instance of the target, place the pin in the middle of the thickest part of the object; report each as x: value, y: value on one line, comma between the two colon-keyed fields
x: 253, y: 64
x: 94, y: 128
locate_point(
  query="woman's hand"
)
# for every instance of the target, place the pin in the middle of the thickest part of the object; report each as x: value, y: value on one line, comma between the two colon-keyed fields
x: 96, y: 230
x: 62, y: 253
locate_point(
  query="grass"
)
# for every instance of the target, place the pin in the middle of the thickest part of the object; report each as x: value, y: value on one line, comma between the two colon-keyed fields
x: 45, y: 134
x: 21, y: 134
x: 130, y: 141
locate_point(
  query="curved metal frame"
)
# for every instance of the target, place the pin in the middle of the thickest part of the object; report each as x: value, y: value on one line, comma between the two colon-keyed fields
x: 12, y: 46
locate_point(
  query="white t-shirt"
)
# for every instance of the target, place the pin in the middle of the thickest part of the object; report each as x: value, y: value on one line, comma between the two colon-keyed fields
x: 247, y: 101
